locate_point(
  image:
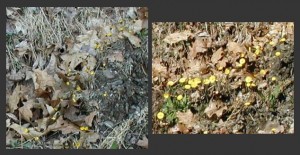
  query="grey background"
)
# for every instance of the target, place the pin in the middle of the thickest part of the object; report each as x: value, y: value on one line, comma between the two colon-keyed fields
x: 186, y: 10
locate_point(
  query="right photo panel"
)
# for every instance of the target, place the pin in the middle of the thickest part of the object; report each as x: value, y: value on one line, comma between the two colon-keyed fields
x: 223, y: 78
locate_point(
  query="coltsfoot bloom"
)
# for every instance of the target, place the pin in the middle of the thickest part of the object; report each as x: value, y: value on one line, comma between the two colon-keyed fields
x: 278, y: 54
x: 263, y: 72
x: 182, y: 80
x: 197, y: 80
x: 212, y: 79
x: 187, y: 86
x: 227, y: 71
x: 166, y: 95
x: 247, y: 103
x: 179, y: 97
x: 248, y: 79
x: 242, y: 61
x: 170, y: 83
x: 160, y: 115
x: 206, y: 81
x: 274, y: 78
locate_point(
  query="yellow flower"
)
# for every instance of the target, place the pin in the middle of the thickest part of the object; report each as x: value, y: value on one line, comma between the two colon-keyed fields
x: 190, y: 81
x: 274, y: 78
x: 257, y: 47
x: 205, y: 132
x: 273, y: 130
x: 206, y: 81
x: 227, y: 71
x: 272, y: 43
x: 263, y: 72
x: 242, y: 55
x: 109, y: 34
x: 253, y: 84
x: 105, y: 94
x: 36, y: 138
x: 182, y: 80
x: 197, y: 80
x: 248, y: 79
x: 77, y: 144
x: 92, y: 73
x: 26, y: 130
x: 282, y: 40
x: 220, y: 68
x: 166, y: 95
x: 187, y: 86
x: 277, y: 53
x: 170, y: 83
x: 194, y: 85
x: 84, y: 128
x: 212, y: 79
x: 97, y: 46
x: 160, y: 115
x: 78, y: 88
x: 242, y: 61
x: 179, y: 97
x: 248, y: 84
x: 257, y: 51
x: 67, y: 83
x: 247, y: 103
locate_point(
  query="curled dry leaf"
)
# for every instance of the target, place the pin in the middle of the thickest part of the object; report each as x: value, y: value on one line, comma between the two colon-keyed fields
x: 215, y: 108
x: 89, y: 119
x: 217, y: 55
x: 42, y: 79
x: 14, y: 99
x: 133, y: 39
x: 187, y: 118
x: 25, y: 111
x: 143, y: 143
x: 64, y: 126
x: 157, y: 68
x: 177, y: 37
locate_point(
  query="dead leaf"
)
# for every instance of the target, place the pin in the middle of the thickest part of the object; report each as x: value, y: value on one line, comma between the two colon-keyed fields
x: 52, y: 65
x: 215, y: 108
x: 157, y: 68
x: 22, y: 48
x: 16, y: 76
x: 25, y: 111
x: 236, y: 48
x: 14, y: 99
x: 187, y: 118
x: 90, y: 38
x: 177, y: 37
x: 89, y: 119
x: 217, y: 55
x: 64, y: 126
x: 27, y: 133
x: 137, y: 26
x: 133, y: 39
x: 143, y: 143
x: 42, y: 79
x: 115, y: 56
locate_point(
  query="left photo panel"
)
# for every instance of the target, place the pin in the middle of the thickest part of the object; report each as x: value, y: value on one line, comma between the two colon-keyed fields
x: 77, y: 78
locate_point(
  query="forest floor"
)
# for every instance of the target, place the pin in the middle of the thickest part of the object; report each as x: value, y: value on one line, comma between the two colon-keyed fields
x: 223, y: 78
x: 76, y: 78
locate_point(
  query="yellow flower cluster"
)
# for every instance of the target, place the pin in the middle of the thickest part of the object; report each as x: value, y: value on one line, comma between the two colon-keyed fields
x: 84, y: 128
x: 249, y: 81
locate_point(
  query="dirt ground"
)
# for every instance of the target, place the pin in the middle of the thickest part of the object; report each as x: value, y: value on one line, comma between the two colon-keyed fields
x: 76, y: 78
x: 223, y: 78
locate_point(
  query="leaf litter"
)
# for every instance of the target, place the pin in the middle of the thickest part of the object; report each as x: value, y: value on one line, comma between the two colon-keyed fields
x: 228, y: 73
x: 69, y: 75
